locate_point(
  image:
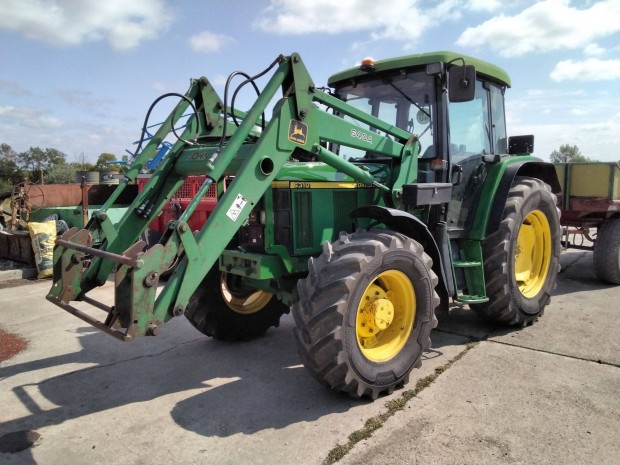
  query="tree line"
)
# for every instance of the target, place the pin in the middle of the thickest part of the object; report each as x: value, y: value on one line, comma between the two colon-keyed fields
x: 51, y: 167
x: 47, y: 165
x: 568, y: 154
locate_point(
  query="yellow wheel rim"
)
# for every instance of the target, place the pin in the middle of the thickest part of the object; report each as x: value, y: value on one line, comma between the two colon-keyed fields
x: 533, y: 253
x: 245, y: 303
x: 385, y: 316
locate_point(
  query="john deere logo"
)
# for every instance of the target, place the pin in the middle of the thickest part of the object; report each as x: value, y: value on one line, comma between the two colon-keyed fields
x: 297, y: 132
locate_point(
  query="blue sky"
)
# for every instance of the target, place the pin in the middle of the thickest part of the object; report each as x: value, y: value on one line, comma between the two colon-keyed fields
x: 79, y: 75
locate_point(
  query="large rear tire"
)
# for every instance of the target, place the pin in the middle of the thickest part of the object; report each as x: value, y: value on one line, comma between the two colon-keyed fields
x: 607, y: 251
x: 522, y: 258
x: 365, y: 312
x: 223, y: 309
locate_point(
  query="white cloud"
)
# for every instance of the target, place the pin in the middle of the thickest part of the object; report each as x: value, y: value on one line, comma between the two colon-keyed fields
x: 596, y: 140
x: 209, y: 42
x: 163, y: 87
x: 545, y: 26
x: 403, y: 20
x: 556, y: 116
x: 593, y: 50
x: 286, y: 17
x: 591, y: 69
x: 23, y: 127
x: 580, y: 111
x: 82, y: 99
x: 124, y: 24
x: 219, y: 80
x: 484, y: 5
x: 29, y: 116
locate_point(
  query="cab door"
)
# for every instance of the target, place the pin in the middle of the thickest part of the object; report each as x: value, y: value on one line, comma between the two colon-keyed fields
x: 476, y: 128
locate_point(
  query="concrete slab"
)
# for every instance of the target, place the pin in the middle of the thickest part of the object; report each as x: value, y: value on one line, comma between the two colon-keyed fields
x: 583, y: 320
x: 537, y: 395
x: 548, y: 393
x: 176, y: 398
x: 505, y: 404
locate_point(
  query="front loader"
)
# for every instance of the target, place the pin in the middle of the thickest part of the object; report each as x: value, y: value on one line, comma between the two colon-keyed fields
x: 364, y: 208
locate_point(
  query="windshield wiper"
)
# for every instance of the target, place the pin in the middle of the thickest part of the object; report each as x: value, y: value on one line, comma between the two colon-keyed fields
x: 409, y: 99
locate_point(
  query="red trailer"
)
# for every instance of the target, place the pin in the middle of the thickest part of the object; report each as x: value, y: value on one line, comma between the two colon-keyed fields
x: 178, y: 204
x: 590, y: 205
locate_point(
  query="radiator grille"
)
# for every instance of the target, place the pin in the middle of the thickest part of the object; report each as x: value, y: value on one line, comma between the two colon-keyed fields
x: 303, y: 213
x: 344, y: 203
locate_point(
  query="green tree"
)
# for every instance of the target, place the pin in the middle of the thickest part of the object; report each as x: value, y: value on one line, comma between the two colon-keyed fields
x: 35, y: 159
x: 567, y: 154
x: 39, y: 161
x: 81, y: 164
x: 84, y: 166
x: 110, y: 162
x: 103, y: 162
x: 62, y: 174
x: 9, y: 171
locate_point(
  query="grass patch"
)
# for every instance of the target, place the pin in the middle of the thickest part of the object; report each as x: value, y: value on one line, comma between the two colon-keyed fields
x: 392, y: 406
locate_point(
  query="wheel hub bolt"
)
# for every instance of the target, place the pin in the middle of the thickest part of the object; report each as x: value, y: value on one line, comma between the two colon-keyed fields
x: 383, y: 312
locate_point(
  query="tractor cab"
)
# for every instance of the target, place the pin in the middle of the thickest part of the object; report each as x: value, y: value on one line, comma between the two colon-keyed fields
x: 453, y: 105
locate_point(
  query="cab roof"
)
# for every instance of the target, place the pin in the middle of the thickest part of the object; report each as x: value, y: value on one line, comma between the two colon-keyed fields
x: 482, y: 67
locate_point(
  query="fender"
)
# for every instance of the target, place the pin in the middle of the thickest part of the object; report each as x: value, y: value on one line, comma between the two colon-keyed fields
x: 407, y: 224
x: 494, y: 193
x: 535, y: 169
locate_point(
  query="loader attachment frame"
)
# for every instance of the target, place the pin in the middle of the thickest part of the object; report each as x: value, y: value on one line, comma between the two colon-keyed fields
x: 84, y: 259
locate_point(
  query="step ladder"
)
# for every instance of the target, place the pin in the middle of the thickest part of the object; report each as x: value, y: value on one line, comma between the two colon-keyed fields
x: 473, y: 270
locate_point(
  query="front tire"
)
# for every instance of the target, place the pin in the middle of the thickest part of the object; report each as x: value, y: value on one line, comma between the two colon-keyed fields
x: 522, y: 258
x: 223, y: 309
x: 365, y: 312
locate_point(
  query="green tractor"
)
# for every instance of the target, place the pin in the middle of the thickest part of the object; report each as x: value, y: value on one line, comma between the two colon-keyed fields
x: 364, y: 207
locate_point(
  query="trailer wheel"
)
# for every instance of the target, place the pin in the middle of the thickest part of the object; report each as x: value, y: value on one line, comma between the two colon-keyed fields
x: 365, y: 312
x: 607, y: 251
x: 222, y: 308
x: 522, y: 258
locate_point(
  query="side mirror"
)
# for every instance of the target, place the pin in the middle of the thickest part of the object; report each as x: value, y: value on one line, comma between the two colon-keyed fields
x: 461, y: 83
x: 520, y: 144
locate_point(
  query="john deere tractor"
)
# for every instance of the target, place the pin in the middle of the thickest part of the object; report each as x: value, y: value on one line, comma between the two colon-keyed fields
x: 364, y: 207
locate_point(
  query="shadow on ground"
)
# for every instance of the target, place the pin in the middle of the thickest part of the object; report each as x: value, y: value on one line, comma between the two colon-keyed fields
x: 217, y: 389
x: 577, y: 274
x: 242, y: 387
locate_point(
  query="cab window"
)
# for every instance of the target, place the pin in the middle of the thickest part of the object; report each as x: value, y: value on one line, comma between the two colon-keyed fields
x: 404, y: 99
x: 469, y: 126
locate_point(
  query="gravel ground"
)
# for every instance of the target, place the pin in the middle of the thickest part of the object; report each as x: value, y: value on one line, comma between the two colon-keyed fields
x: 10, y: 345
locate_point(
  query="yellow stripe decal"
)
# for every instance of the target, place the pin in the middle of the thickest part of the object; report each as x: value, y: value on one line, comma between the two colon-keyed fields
x: 318, y: 185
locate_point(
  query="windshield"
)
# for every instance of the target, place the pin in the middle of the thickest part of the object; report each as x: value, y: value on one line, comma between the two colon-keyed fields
x: 404, y: 99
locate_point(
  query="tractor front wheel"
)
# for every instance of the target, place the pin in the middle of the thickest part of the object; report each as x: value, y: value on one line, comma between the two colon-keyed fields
x: 522, y: 258
x: 365, y: 312
x: 222, y: 307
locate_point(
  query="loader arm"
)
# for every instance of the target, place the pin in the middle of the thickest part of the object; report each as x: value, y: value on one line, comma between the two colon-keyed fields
x: 84, y: 259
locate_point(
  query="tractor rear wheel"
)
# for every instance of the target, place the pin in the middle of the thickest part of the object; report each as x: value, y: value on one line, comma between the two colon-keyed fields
x: 365, y: 312
x: 522, y: 258
x: 607, y: 251
x: 222, y: 308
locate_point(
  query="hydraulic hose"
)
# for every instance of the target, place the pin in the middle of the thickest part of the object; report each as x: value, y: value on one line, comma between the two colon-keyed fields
x: 248, y: 80
x: 148, y: 115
